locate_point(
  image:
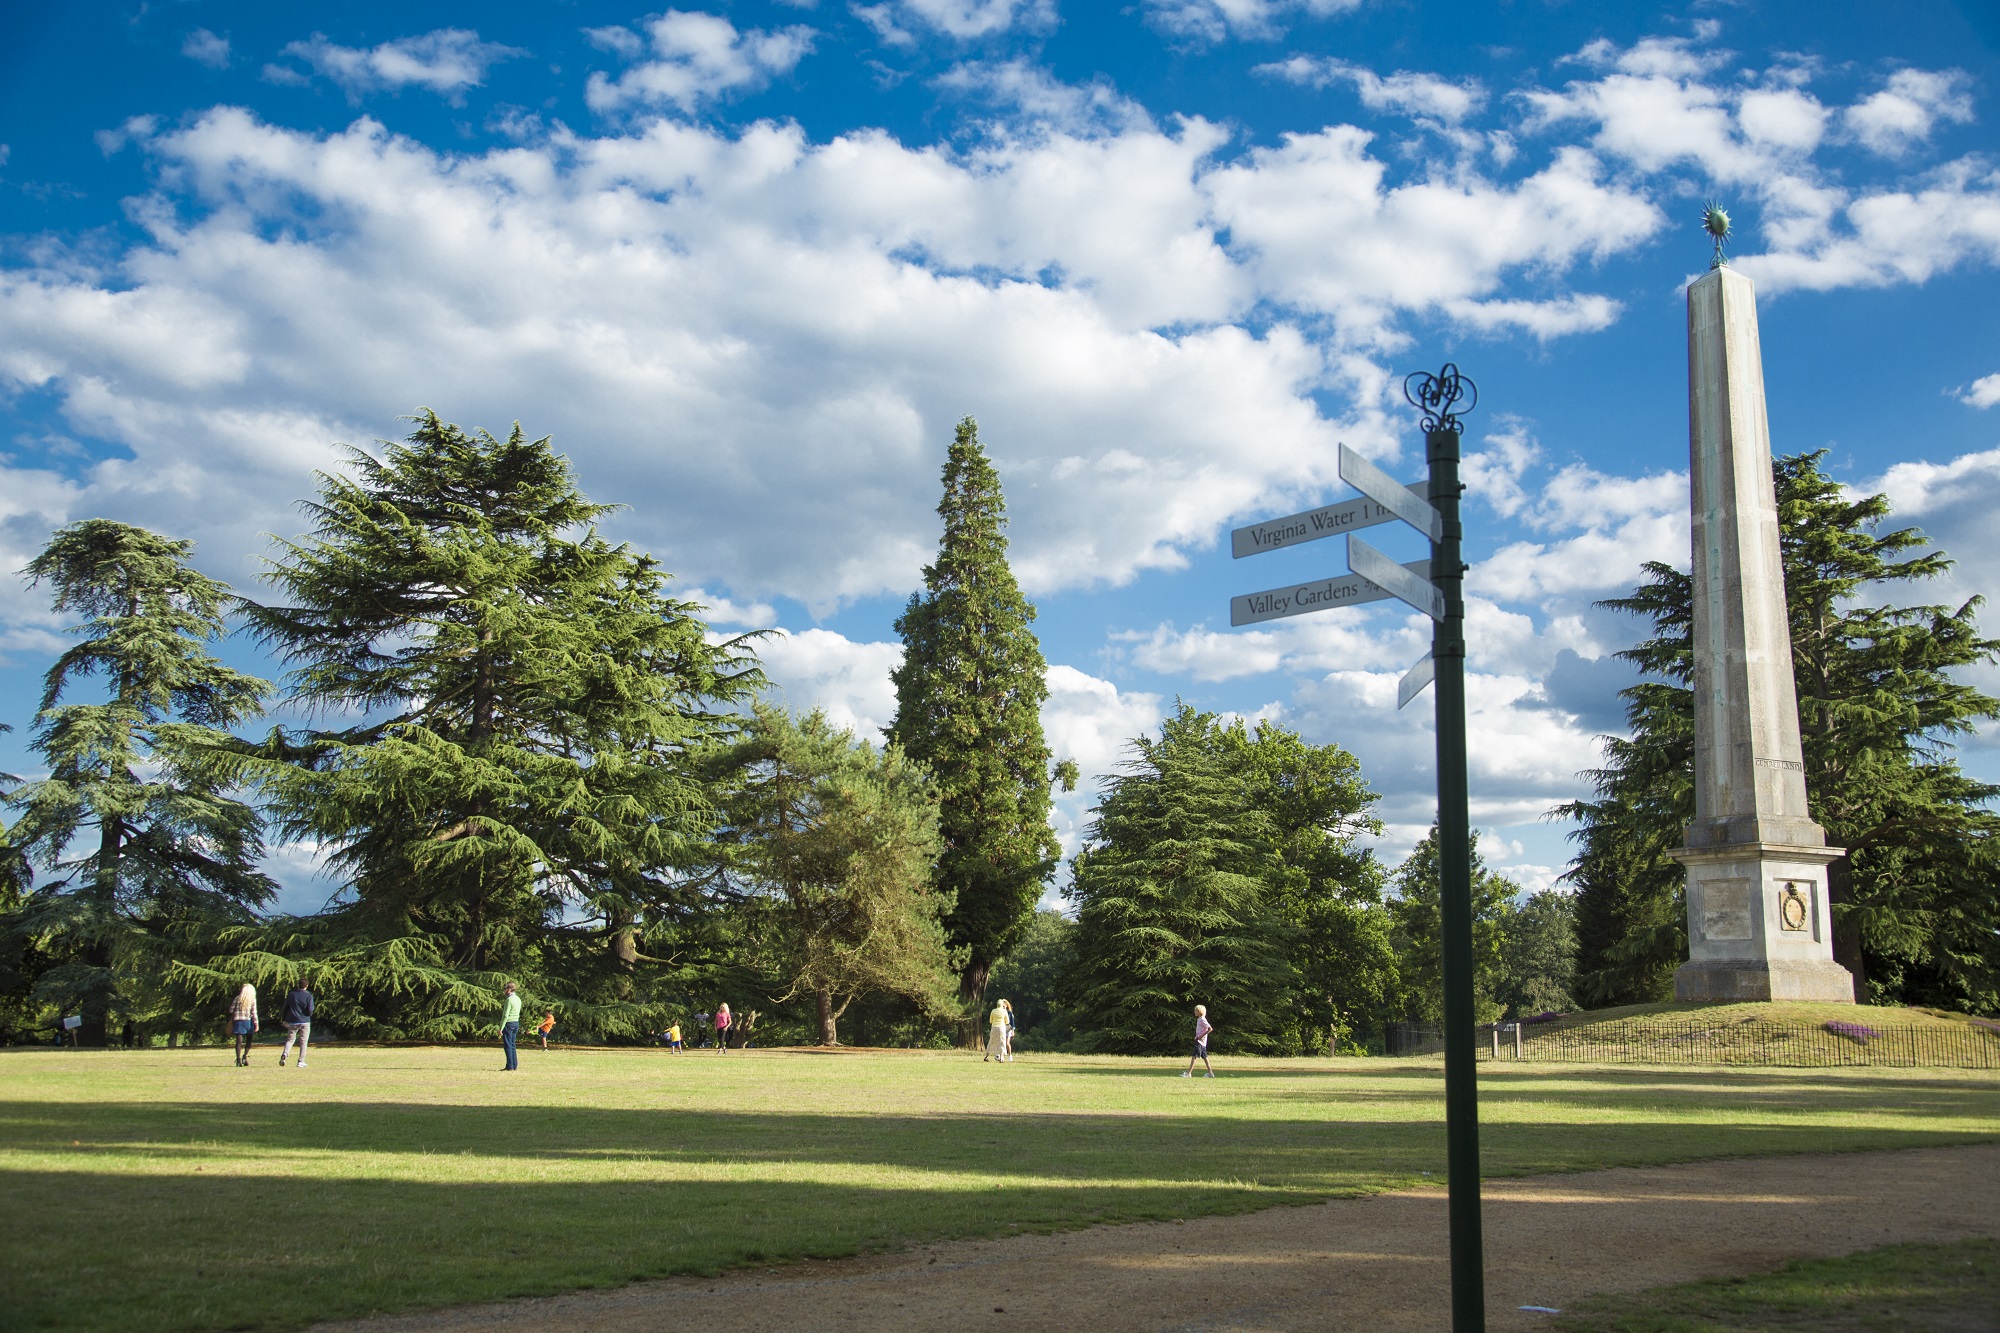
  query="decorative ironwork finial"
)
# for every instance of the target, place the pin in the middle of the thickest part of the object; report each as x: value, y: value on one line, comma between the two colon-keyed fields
x: 1437, y: 395
x: 1715, y: 221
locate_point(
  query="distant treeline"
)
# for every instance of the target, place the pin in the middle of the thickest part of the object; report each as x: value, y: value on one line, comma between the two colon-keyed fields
x: 526, y: 761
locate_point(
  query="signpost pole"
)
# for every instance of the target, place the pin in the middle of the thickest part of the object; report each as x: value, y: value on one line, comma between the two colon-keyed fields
x: 1461, y: 1091
x: 1441, y: 596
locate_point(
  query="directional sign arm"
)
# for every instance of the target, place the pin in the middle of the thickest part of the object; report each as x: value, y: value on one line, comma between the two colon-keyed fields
x: 1391, y: 494
x: 1297, y: 599
x: 1415, y: 679
x: 1334, y: 520
x: 1393, y: 579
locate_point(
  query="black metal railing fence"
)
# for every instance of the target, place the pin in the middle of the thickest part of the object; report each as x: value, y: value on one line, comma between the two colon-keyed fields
x: 1693, y: 1040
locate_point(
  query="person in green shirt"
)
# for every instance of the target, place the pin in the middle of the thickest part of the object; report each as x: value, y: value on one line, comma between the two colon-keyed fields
x: 510, y: 1025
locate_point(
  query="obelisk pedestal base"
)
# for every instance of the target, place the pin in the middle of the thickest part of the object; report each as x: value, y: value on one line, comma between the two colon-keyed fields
x: 1728, y: 980
x: 1759, y: 927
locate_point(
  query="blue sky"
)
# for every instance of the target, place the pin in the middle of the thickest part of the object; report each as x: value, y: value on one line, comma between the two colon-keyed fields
x: 748, y: 262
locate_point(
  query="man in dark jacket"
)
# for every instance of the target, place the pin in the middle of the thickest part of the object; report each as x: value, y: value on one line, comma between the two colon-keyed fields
x: 298, y: 1018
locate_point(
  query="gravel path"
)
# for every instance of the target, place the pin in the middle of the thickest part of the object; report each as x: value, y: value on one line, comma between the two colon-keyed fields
x: 1374, y: 1264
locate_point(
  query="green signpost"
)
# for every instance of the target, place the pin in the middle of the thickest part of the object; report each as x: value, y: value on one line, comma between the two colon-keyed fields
x: 1436, y: 588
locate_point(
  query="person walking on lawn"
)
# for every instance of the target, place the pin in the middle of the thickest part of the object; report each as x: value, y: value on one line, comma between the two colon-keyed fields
x: 298, y: 1016
x: 996, y: 1036
x: 1008, y: 1005
x: 723, y: 1027
x: 243, y: 1021
x: 510, y: 1026
x: 1202, y: 1029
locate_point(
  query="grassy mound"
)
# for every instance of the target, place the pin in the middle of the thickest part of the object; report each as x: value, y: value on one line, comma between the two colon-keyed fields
x: 1771, y: 1033
x: 1666, y: 1016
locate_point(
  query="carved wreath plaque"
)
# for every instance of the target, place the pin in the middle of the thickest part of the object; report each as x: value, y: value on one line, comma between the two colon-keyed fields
x: 1794, y: 909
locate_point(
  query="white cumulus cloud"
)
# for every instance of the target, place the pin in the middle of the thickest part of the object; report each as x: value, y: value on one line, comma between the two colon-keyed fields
x: 447, y: 61
x: 205, y: 48
x: 1982, y: 393
x: 962, y: 19
x: 1904, y: 112
x: 696, y: 58
x: 761, y: 341
x: 1214, y: 20
x: 1412, y: 94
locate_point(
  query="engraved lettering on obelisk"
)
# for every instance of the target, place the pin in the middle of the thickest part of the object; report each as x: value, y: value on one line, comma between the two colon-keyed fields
x: 1725, y: 909
x: 1752, y: 838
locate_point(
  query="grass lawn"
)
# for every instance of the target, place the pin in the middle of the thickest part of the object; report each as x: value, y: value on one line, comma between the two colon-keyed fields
x: 169, y: 1189
x: 1902, y: 1287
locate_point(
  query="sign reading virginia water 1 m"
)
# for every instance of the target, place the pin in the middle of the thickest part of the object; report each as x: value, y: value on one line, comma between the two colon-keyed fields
x: 1327, y: 521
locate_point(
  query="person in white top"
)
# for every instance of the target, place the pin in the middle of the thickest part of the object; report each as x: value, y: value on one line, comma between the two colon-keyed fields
x: 996, y: 1036
x: 1202, y: 1029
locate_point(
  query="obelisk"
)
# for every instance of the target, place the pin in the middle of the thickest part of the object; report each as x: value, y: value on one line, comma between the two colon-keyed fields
x: 1758, y: 923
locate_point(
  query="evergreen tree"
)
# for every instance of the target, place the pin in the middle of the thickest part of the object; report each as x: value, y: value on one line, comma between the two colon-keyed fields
x: 1538, y: 957
x: 511, y: 791
x: 1221, y: 870
x: 1173, y: 907
x: 1914, y: 898
x: 1631, y: 918
x: 144, y: 846
x: 1419, y: 936
x: 969, y: 696
x: 829, y: 848
x: 1320, y: 879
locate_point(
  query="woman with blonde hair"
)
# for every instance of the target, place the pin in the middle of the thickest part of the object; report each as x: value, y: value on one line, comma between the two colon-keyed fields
x: 243, y: 1021
x: 996, y: 1035
x: 1008, y: 1005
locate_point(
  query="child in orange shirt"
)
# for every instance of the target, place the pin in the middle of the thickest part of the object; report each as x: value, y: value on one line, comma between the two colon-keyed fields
x: 548, y: 1025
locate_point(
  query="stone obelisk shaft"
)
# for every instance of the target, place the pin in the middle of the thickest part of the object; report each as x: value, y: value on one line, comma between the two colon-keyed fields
x: 1758, y: 923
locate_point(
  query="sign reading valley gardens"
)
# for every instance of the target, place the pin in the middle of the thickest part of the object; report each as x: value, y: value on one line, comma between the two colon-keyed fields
x: 1296, y: 599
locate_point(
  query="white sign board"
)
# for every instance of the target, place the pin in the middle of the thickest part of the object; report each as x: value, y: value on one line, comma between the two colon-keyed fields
x: 1297, y: 599
x: 1414, y: 508
x: 1327, y: 521
x: 1415, y: 679
x: 1395, y: 579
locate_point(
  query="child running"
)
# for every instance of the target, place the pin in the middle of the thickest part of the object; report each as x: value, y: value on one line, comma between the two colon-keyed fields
x: 547, y: 1025
x: 1202, y: 1029
x: 674, y: 1038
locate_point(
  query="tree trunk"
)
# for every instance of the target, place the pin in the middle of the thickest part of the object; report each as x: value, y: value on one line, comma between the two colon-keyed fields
x: 972, y: 990
x: 625, y: 948
x: 96, y: 1029
x: 1847, y: 934
x: 824, y: 999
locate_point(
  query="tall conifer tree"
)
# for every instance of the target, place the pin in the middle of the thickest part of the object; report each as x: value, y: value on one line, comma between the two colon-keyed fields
x: 512, y: 782
x: 135, y: 823
x: 1916, y: 897
x: 969, y: 697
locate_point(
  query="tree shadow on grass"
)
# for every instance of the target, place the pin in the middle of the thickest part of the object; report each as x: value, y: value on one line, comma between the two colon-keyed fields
x: 272, y: 1216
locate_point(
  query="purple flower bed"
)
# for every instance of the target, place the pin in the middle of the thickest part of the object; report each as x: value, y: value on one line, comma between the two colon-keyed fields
x: 1988, y: 1024
x: 1551, y: 1016
x: 1854, y: 1032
